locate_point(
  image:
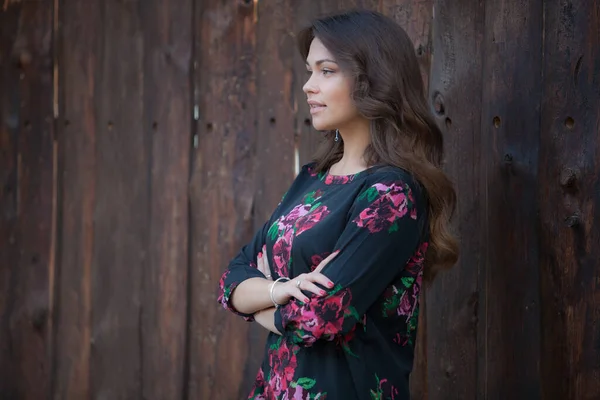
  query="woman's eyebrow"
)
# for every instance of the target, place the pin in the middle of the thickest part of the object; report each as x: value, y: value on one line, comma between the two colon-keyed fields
x: 322, y: 61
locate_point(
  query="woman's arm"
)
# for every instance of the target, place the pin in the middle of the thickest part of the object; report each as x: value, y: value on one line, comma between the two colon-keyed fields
x: 252, y: 295
x: 377, y: 244
x: 266, y: 319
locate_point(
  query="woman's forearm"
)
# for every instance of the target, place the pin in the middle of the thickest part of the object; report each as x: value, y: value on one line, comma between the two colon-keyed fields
x: 266, y: 318
x: 252, y: 295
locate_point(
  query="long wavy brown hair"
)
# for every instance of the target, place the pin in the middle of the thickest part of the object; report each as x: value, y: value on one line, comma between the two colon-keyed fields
x: 388, y: 90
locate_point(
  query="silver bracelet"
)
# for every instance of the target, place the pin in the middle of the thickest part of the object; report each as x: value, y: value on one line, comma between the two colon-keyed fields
x: 272, y: 287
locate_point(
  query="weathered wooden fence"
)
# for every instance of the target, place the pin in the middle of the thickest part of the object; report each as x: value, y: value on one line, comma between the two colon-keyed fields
x: 142, y: 143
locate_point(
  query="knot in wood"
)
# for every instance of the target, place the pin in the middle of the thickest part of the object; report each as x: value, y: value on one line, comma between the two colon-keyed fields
x: 438, y: 103
x: 24, y: 59
x: 573, y: 220
x: 568, y: 177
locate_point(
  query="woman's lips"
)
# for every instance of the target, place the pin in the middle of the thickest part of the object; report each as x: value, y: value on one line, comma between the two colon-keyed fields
x: 316, y: 108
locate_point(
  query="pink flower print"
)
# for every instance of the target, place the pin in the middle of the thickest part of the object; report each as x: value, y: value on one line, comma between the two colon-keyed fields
x: 415, y: 264
x: 288, y: 220
x: 282, y: 252
x: 391, y: 203
x: 321, y: 318
x: 258, y: 388
x: 309, y: 220
x: 283, y: 366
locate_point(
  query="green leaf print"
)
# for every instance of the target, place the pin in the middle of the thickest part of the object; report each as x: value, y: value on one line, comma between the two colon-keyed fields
x: 391, y: 303
x: 277, y: 344
x: 310, y: 197
x: 371, y: 194
x: 376, y: 395
x: 348, y: 350
x: 408, y: 281
x: 352, y: 311
x: 273, y: 231
x: 306, y: 383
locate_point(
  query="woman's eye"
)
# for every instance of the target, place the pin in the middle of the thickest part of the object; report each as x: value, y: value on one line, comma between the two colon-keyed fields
x: 327, y: 72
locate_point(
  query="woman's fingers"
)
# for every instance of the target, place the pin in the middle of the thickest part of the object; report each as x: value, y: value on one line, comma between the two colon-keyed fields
x: 323, y: 263
x: 308, y: 286
x: 321, y: 279
x: 297, y: 293
x: 260, y: 264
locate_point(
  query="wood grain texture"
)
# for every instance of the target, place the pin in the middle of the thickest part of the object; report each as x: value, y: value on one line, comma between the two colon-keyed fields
x: 122, y: 207
x: 167, y: 37
x: 453, y: 300
x: 569, y: 200
x: 26, y: 198
x: 510, y: 140
x: 222, y: 191
x: 80, y: 59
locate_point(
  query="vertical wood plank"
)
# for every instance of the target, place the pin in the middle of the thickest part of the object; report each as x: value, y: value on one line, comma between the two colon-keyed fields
x: 121, y: 212
x: 222, y: 190
x: 569, y: 195
x: 26, y: 197
x: 510, y: 142
x: 167, y: 37
x: 453, y: 300
x: 79, y: 60
x: 415, y: 17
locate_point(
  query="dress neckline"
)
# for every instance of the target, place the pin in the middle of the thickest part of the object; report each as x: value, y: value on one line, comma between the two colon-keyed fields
x: 330, y: 179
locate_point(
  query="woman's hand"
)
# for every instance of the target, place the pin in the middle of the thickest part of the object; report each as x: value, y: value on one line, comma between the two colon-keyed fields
x: 283, y: 292
x: 263, y: 263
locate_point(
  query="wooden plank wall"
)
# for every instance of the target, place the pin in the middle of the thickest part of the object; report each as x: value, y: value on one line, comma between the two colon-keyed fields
x: 141, y: 147
x: 569, y: 201
x: 27, y: 174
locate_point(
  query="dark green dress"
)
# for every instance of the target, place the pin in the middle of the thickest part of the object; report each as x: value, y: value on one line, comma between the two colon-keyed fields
x: 356, y: 342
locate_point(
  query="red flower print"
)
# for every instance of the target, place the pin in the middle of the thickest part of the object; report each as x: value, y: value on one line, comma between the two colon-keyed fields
x: 288, y: 220
x: 316, y: 260
x: 415, y: 264
x: 309, y: 220
x: 282, y: 250
x: 339, y: 179
x: 283, y: 365
x: 323, y: 317
x: 223, y: 291
x: 391, y: 203
x: 258, y: 388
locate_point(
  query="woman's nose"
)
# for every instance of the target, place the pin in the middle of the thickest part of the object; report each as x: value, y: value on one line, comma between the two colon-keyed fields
x: 310, y: 86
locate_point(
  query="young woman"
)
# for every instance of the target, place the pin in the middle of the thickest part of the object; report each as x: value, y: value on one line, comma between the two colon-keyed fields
x: 336, y: 272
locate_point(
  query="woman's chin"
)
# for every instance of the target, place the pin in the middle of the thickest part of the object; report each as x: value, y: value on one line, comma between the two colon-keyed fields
x: 320, y: 126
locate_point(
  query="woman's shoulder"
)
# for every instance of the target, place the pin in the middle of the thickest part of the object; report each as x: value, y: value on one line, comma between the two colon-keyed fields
x: 390, y: 173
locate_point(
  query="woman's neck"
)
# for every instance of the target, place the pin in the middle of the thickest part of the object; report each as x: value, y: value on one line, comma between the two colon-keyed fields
x: 355, y: 144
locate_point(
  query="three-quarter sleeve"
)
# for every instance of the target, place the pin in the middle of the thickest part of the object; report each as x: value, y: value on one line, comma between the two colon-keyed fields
x: 242, y: 267
x: 383, y: 231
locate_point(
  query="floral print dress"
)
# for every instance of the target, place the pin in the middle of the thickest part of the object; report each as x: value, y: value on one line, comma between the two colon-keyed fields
x: 357, y: 341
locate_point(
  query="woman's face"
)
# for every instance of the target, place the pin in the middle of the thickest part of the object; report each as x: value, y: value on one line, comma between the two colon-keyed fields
x: 328, y: 90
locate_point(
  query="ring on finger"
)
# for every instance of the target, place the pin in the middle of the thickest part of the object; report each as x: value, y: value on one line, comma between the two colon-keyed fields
x: 298, y: 282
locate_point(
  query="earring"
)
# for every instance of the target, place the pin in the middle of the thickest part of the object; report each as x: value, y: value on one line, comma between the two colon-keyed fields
x: 337, y: 135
